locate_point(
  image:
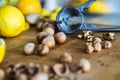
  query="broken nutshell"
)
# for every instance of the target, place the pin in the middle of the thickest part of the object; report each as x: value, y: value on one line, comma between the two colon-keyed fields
x: 108, y: 36
x: 61, y: 70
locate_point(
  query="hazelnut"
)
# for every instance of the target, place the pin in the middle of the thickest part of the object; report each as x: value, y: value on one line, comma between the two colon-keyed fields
x: 66, y: 58
x: 85, y: 65
x: 97, y: 40
x: 42, y: 49
x: 49, y: 30
x: 39, y: 23
x: 49, y: 41
x: 46, y: 24
x: 29, y: 48
x: 60, y: 37
x: 61, y: 70
x: 2, y: 74
x: 107, y: 44
x: 41, y: 36
x: 32, y: 18
x: 97, y: 47
x: 89, y: 48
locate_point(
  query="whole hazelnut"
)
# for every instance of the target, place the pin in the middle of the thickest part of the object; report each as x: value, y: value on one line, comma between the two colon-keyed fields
x: 97, y: 40
x: 29, y: 48
x: 41, y: 36
x: 49, y: 41
x: 84, y: 64
x: 89, y: 48
x: 107, y: 44
x: 46, y: 24
x: 39, y: 23
x: 97, y: 47
x: 60, y: 37
x: 42, y: 49
x: 66, y: 58
x: 49, y: 30
x: 2, y: 74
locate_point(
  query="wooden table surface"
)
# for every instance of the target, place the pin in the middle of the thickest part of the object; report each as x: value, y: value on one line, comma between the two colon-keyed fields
x: 105, y: 64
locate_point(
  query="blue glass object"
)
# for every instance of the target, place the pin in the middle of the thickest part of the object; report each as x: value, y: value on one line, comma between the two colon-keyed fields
x: 70, y: 20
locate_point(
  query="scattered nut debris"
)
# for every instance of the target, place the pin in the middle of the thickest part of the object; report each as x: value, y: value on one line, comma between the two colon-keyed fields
x: 89, y: 38
x: 80, y: 36
x: 108, y: 36
x: 96, y: 43
x: 87, y: 33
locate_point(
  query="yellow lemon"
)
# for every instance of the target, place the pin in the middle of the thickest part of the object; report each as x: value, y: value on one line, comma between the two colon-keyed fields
x: 29, y: 6
x: 100, y: 8
x: 26, y: 27
x: 2, y: 49
x: 54, y: 13
x: 45, y: 13
x: 12, y: 21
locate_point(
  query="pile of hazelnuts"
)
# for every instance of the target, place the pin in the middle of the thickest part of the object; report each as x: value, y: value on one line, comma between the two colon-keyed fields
x: 47, y: 38
x: 96, y: 44
x: 59, y: 71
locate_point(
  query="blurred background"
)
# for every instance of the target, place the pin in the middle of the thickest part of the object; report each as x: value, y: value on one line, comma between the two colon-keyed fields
x: 101, y: 12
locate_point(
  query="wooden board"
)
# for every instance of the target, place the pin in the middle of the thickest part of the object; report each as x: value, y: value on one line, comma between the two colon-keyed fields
x: 105, y: 64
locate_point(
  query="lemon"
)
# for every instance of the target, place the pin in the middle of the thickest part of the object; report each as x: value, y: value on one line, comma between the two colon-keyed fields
x: 2, y: 49
x: 54, y: 13
x: 29, y: 6
x: 26, y: 27
x: 45, y: 13
x: 12, y: 21
x: 100, y: 7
